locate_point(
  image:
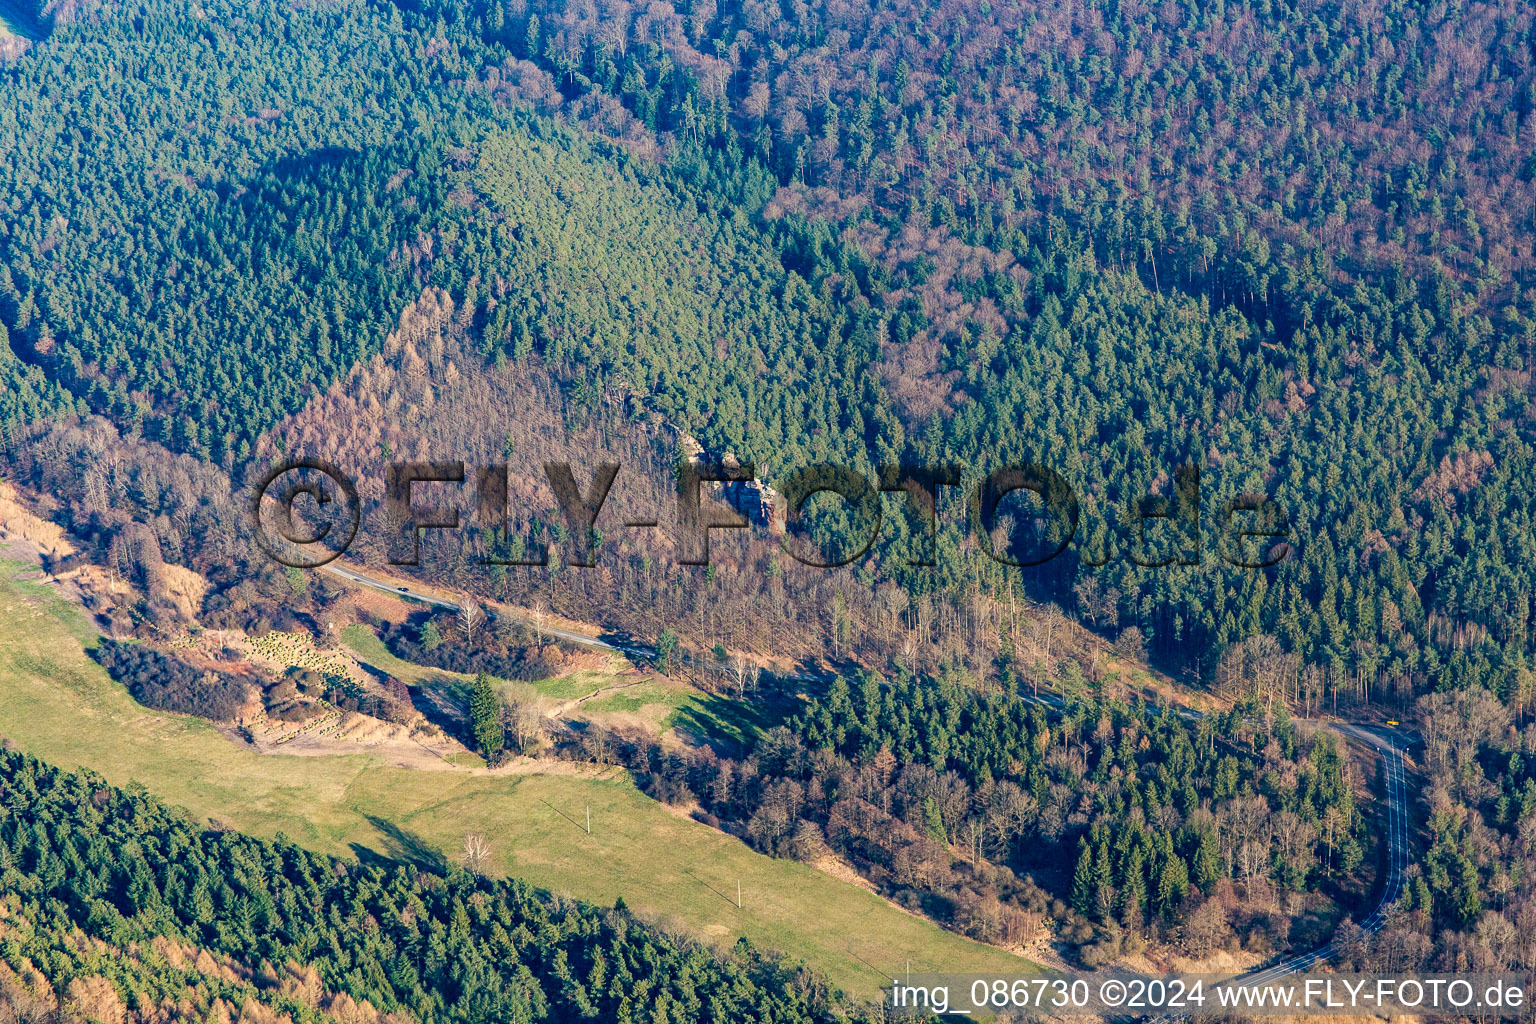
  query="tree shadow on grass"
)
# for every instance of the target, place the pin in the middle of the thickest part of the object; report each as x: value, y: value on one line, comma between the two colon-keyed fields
x: 435, y: 708
x: 733, y: 726
x: 401, y: 846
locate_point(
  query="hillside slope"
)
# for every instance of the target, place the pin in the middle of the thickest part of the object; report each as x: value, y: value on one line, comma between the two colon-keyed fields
x: 61, y: 706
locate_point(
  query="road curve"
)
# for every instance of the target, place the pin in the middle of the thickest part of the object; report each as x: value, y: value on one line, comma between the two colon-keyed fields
x: 1390, y: 751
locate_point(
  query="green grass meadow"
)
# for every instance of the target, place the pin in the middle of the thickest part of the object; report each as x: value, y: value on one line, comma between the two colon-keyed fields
x: 662, y: 703
x: 59, y: 705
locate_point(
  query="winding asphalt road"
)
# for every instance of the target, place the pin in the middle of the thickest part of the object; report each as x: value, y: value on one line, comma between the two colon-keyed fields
x: 1387, y: 745
x: 1398, y: 856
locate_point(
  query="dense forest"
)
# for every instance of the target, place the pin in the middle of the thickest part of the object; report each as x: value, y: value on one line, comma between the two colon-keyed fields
x: 1344, y: 324
x: 1284, y: 244
x: 115, y: 901
x: 1215, y: 149
x: 1092, y: 257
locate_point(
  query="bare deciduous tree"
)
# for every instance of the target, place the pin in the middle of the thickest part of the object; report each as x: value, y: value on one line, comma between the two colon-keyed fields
x: 522, y: 715
x: 476, y: 854
x: 470, y: 620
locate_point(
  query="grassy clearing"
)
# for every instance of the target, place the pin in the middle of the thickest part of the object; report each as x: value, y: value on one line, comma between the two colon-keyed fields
x: 59, y: 705
x: 658, y: 702
x: 371, y: 651
x: 712, y: 717
x: 668, y: 705
x: 577, y: 684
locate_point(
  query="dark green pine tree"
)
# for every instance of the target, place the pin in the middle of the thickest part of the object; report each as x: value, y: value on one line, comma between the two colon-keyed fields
x: 1207, y: 861
x: 1172, y: 883
x: 531, y: 38
x: 1103, y: 881
x: 485, y: 718
x: 933, y: 822
x: 1084, y: 891
x: 1133, y: 894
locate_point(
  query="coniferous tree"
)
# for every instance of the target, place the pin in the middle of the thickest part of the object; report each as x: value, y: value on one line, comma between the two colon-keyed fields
x: 485, y: 718
x: 1084, y: 886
